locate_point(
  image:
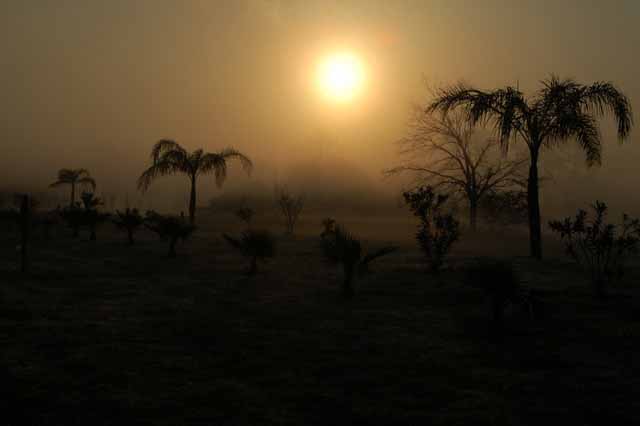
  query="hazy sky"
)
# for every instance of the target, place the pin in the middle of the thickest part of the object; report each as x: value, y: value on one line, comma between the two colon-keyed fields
x: 94, y: 83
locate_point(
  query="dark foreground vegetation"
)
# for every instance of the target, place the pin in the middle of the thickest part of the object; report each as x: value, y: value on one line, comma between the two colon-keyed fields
x: 103, y: 333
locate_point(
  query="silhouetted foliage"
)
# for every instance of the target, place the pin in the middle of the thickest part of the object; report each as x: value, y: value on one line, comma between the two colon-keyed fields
x: 74, y: 177
x: 48, y: 220
x: 170, y: 158
x: 501, y: 285
x: 600, y: 248
x: 504, y: 207
x: 341, y: 247
x: 444, y: 152
x: 171, y: 228
x: 290, y: 206
x: 92, y: 217
x: 329, y: 225
x: 254, y: 245
x: 74, y: 218
x: 129, y: 221
x: 559, y: 111
x: 245, y: 214
x: 438, y: 229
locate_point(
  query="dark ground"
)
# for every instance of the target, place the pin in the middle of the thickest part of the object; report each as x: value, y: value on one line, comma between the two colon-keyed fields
x: 102, y: 334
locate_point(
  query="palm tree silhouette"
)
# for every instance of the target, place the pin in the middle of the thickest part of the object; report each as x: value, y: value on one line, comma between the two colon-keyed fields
x: 559, y: 111
x: 170, y: 158
x: 74, y: 177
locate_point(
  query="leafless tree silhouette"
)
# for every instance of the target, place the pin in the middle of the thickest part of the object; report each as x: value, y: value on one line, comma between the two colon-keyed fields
x: 561, y: 110
x: 169, y: 158
x: 444, y: 152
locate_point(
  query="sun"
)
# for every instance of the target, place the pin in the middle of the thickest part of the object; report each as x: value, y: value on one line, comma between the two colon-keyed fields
x: 341, y: 76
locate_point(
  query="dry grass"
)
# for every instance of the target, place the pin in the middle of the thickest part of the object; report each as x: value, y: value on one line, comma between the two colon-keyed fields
x: 100, y: 333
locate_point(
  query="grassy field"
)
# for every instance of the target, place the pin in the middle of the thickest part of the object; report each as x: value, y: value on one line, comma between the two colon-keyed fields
x: 102, y: 334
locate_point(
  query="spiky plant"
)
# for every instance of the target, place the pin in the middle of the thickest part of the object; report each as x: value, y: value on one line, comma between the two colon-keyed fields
x: 169, y: 158
x: 341, y: 247
x: 74, y: 178
x: 129, y: 221
x: 255, y: 245
x: 171, y: 228
x: 561, y: 110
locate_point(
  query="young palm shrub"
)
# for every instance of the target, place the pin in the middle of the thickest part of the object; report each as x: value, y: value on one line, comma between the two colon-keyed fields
x: 254, y: 245
x: 92, y: 217
x: 600, y: 248
x: 129, y: 221
x: 341, y: 247
x: 171, y: 228
x: 438, y: 230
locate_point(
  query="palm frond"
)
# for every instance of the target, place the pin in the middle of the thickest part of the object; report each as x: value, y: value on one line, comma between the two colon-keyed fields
x: 232, y: 154
x: 378, y: 253
x: 165, y: 146
x: 160, y: 168
x: 603, y: 97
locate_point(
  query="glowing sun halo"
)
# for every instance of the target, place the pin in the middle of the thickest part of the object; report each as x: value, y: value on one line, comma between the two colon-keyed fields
x: 341, y: 76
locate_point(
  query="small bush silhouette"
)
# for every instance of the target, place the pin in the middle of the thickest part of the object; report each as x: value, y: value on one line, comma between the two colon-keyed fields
x: 290, y: 206
x: 600, y: 248
x: 129, y: 221
x: 438, y: 230
x: 245, y: 214
x: 92, y: 217
x: 501, y: 285
x: 341, y: 247
x: 74, y: 218
x: 171, y: 228
x: 254, y: 245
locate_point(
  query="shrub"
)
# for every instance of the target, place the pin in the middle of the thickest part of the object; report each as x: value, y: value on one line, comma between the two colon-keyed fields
x: 245, y: 214
x: 92, y: 217
x: 171, y: 228
x: 130, y: 221
x: 438, y: 230
x: 340, y: 247
x: 254, y: 245
x: 600, y: 248
x: 501, y: 285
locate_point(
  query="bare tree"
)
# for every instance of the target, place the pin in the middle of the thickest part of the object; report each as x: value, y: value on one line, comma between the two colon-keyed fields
x: 290, y: 206
x: 444, y: 151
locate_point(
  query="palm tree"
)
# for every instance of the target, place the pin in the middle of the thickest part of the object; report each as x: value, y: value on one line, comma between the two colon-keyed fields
x: 170, y: 158
x: 74, y: 177
x: 559, y: 111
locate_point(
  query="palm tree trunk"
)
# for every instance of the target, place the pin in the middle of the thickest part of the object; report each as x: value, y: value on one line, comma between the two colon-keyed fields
x: 533, y: 206
x: 192, y: 201
x: 73, y: 194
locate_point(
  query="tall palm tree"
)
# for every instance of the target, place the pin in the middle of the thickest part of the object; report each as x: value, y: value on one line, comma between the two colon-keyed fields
x: 561, y: 110
x: 74, y: 177
x: 170, y: 158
